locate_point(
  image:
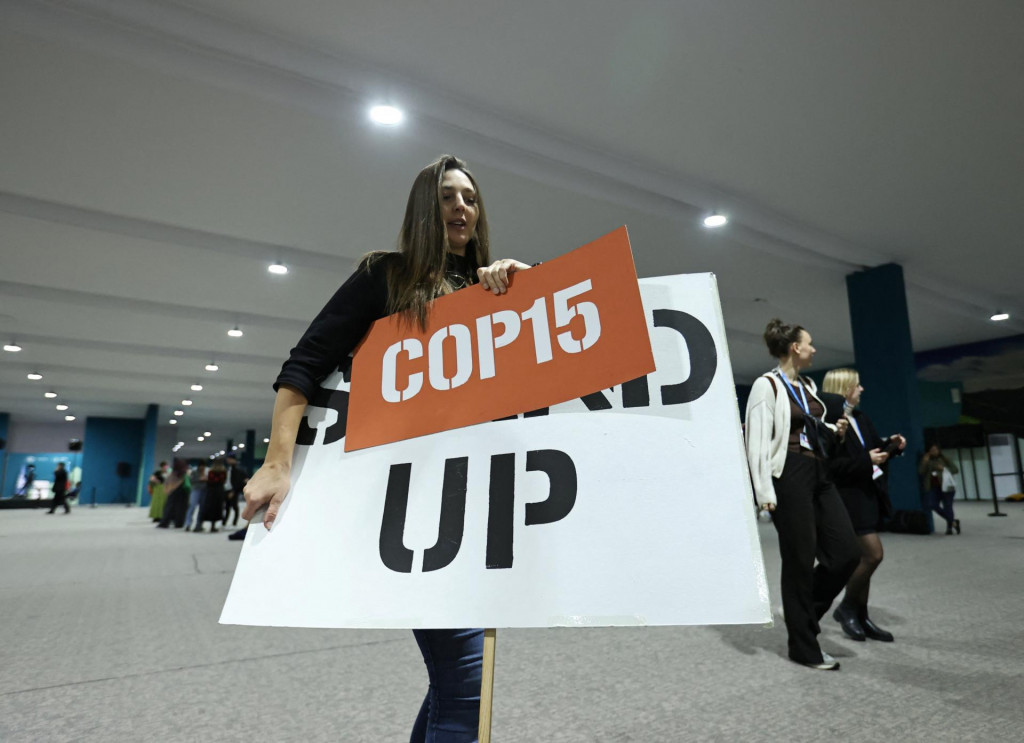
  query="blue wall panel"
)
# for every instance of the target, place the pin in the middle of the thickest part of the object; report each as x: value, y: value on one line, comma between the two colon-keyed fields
x: 109, y: 441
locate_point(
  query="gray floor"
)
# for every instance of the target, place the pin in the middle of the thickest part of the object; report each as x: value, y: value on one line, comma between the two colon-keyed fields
x: 110, y: 634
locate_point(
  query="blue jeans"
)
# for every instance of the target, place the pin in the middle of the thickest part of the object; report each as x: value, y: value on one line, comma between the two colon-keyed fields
x: 195, y: 504
x: 942, y: 504
x: 451, y: 709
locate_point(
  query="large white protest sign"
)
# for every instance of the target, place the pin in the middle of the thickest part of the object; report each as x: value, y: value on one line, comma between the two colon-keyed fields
x: 631, y: 506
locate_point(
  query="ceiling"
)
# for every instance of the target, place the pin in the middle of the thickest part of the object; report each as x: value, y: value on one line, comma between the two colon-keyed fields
x: 155, y: 157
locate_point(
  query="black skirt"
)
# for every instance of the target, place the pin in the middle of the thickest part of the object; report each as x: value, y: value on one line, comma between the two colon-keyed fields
x: 865, y: 510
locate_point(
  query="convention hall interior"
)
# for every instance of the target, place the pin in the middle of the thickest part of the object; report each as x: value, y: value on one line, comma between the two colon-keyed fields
x: 185, y: 183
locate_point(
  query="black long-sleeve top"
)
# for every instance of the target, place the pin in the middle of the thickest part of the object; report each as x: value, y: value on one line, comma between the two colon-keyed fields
x: 345, y: 319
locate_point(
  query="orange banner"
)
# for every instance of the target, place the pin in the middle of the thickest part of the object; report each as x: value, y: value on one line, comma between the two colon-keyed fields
x: 564, y: 329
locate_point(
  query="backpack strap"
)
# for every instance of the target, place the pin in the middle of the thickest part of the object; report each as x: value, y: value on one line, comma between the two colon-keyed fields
x: 775, y: 389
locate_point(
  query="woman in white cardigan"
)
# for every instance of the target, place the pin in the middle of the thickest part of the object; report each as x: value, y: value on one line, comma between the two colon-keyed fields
x: 787, y: 448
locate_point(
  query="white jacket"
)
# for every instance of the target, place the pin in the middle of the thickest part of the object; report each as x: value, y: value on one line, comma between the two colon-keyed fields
x: 767, y: 430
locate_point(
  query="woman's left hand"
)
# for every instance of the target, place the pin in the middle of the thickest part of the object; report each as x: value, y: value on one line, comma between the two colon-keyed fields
x: 903, y: 441
x: 495, y: 278
x: 841, y: 426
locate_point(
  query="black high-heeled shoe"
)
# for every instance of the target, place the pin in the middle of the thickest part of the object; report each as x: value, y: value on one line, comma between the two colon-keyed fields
x: 956, y: 525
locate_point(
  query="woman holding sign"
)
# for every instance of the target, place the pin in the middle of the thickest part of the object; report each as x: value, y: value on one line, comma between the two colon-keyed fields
x: 788, y: 445
x: 443, y: 246
x: 863, y: 484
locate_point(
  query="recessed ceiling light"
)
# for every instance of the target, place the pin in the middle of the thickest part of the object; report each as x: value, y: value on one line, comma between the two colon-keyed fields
x: 235, y: 332
x: 266, y: 441
x: 179, y: 412
x: 1000, y: 316
x: 234, y: 448
x: 386, y: 115
x: 69, y: 418
x: 197, y: 388
x: 186, y: 403
x: 34, y: 376
x: 173, y: 421
x: 279, y: 268
x: 207, y: 433
x: 200, y: 438
x: 12, y: 347
x: 62, y: 406
x: 211, y: 456
x: 715, y: 220
x: 241, y: 446
x: 50, y: 395
x: 212, y: 367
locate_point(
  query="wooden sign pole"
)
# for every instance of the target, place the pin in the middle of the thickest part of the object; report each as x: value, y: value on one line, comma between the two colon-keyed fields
x: 487, y: 687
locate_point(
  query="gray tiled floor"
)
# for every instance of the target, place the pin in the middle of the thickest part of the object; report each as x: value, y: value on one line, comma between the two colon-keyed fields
x: 110, y: 634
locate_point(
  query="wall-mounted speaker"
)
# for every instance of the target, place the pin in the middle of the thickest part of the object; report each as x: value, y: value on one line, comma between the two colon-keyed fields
x: 75, y: 445
x: 124, y: 469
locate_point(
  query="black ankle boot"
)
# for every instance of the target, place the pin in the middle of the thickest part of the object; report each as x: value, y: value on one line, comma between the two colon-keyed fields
x: 847, y: 619
x: 873, y: 631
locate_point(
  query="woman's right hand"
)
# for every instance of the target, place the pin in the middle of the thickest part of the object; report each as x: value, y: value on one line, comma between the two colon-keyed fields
x: 268, y: 487
x: 878, y: 456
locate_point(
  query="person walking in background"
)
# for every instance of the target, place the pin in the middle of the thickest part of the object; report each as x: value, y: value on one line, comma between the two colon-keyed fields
x: 788, y: 445
x: 60, y: 489
x: 860, y: 473
x: 178, y: 487
x: 195, y: 500
x: 157, y: 494
x: 938, y: 485
x: 212, y: 508
x: 237, y: 478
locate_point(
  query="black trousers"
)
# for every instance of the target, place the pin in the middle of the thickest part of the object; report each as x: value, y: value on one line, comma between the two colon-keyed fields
x: 812, y: 522
x: 60, y: 498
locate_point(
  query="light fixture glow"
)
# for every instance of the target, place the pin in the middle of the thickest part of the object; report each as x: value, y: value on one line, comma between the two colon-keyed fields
x: 235, y: 332
x: 241, y: 446
x: 200, y: 438
x: 715, y: 220
x: 69, y: 418
x: 197, y: 388
x: 234, y: 448
x: 279, y: 268
x: 173, y: 421
x: 12, y: 347
x: 50, y: 395
x: 1000, y: 316
x: 179, y: 412
x: 186, y: 403
x: 34, y: 376
x: 207, y: 433
x: 266, y: 441
x: 386, y: 115
x: 62, y: 406
x: 212, y: 367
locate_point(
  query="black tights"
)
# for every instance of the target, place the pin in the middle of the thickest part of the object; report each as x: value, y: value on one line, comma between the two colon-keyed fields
x: 859, y: 585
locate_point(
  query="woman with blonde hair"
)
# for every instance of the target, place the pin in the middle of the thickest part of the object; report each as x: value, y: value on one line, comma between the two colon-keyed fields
x: 788, y: 446
x: 443, y: 246
x: 859, y: 472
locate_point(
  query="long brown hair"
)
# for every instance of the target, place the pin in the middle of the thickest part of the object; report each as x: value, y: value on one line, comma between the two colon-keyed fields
x: 419, y: 277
